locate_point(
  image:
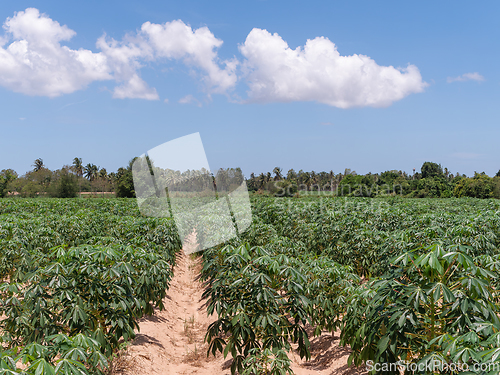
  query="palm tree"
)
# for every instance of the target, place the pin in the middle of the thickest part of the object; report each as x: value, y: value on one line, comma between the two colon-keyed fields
x: 314, y: 178
x: 88, y: 171
x: 251, y: 183
x: 78, y: 166
x: 103, y: 176
x: 91, y: 171
x: 78, y: 169
x: 38, y: 164
x: 103, y: 173
x: 262, y: 181
x: 277, y: 173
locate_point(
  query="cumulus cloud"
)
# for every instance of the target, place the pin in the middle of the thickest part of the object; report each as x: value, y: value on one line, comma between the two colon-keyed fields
x: 317, y: 72
x: 162, y: 42
x: 135, y: 88
x: 124, y: 58
x: 197, y: 48
x: 35, y: 62
x: 467, y: 77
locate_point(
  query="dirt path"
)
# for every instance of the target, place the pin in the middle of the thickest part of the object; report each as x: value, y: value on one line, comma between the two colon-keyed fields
x: 171, y: 341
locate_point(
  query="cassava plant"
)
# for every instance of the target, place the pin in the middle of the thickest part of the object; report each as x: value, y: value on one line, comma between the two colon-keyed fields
x: 436, y: 304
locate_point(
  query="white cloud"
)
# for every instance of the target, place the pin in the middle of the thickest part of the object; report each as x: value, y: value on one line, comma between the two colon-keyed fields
x: 124, y: 58
x: 35, y: 63
x: 165, y: 101
x: 467, y: 77
x: 170, y: 41
x: 197, y: 48
x: 22, y: 118
x: 189, y: 99
x: 317, y: 72
x: 135, y: 88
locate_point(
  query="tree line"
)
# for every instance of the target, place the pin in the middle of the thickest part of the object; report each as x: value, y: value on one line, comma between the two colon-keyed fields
x: 433, y: 181
x: 67, y: 182
x: 77, y: 179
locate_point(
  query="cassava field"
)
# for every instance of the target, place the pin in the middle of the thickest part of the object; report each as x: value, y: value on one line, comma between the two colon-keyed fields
x: 412, y: 280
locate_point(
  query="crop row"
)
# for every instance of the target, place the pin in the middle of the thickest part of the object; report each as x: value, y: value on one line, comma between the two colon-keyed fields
x: 77, y: 277
x: 402, y: 281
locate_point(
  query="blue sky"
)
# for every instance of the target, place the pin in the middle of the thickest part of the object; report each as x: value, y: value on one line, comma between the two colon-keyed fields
x: 378, y: 86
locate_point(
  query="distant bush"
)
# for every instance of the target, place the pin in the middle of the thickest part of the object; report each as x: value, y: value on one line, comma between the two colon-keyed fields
x: 480, y: 186
x: 65, y: 185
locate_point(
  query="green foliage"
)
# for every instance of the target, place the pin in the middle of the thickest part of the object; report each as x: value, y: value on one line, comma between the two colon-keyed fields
x: 6, y: 176
x: 365, y: 234
x: 430, y: 169
x: 284, y: 188
x: 58, y: 354
x: 125, y: 182
x: 480, y: 186
x: 388, y: 177
x: 32, y: 184
x: 87, y: 270
x: 431, y: 187
x: 263, y: 301
x: 267, y: 362
x: 93, y: 290
x: 438, y: 303
x: 432, y: 182
x: 80, y: 274
x: 65, y: 185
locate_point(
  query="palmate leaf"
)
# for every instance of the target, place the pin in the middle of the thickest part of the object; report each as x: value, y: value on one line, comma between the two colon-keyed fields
x: 97, y: 359
x: 362, y: 234
x: 237, y: 364
x: 216, y: 345
x: 76, y: 354
x: 404, y: 259
x: 383, y: 343
x: 465, y: 354
x: 70, y: 367
x: 440, y: 290
x: 461, y: 303
x: 41, y: 367
x: 8, y: 360
x: 491, y: 355
x: 431, y: 259
x: 416, y: 296
x: 461, y: 257
x: 8, y: 371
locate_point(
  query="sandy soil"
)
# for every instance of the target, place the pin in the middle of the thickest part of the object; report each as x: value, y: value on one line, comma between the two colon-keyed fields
x: 171, y: 341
